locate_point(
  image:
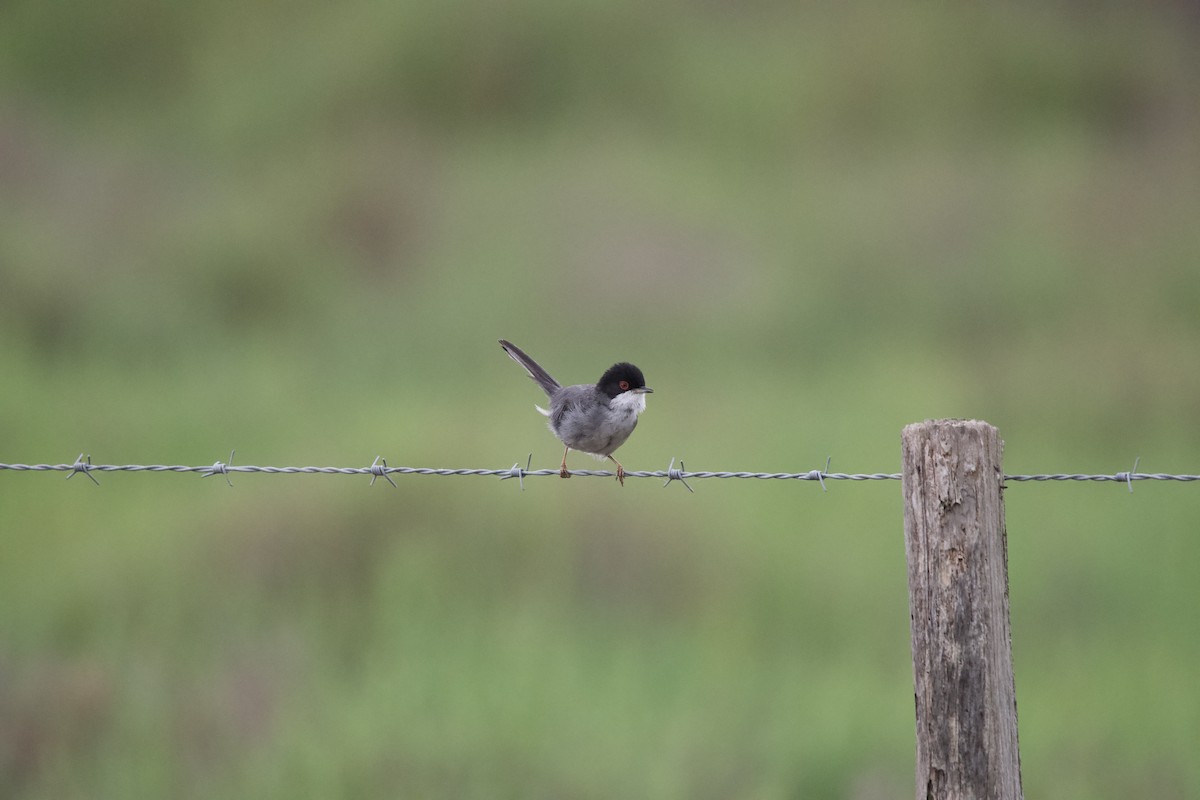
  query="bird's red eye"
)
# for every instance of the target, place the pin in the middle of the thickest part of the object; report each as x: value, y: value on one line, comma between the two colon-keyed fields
x: 624, y: 386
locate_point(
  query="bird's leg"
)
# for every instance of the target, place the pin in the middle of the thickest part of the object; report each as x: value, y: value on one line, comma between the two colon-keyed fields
x: 562, y: 470
x: 620, y: 470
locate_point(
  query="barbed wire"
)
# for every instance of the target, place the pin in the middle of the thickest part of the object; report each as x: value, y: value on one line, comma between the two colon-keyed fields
x: 379, y: 469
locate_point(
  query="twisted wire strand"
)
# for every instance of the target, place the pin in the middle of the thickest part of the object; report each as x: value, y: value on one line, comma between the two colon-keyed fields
x: 1120, y: 477
x: 221, y: 468
x: 380, y: 469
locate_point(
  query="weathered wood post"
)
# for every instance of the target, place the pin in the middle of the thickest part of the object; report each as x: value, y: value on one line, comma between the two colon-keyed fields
x: 958, y: 599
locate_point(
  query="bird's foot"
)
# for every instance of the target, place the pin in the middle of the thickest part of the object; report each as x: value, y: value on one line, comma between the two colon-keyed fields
x: 563, y: 472
x: 620, y: 474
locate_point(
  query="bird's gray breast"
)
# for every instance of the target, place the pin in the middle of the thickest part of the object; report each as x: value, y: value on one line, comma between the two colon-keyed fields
x: 582, y: 418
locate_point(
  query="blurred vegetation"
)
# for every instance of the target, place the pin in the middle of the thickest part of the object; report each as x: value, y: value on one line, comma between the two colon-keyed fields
x: 297, y: 229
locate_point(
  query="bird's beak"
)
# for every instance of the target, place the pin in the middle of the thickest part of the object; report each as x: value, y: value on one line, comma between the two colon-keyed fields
x: 644, y: 390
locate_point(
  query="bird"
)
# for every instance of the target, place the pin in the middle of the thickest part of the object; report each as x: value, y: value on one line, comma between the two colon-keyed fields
x: 591, y: 418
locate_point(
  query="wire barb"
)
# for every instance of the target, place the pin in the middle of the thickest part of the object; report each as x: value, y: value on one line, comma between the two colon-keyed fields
x: 819, y: 475
x: 1127, y: 477
x: 378, y: 469
x: 83, y: 466
x: 677, y: 475
x: 518, y: 473
x: 220, y: 468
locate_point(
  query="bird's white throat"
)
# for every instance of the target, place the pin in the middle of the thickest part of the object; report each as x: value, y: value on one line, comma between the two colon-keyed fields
x: 634, y: 402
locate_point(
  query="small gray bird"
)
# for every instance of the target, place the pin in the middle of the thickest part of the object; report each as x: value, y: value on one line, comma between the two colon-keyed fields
x: 592, y: 419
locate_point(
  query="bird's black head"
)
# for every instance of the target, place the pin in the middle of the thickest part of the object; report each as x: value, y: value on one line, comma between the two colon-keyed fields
x: 621, y: 378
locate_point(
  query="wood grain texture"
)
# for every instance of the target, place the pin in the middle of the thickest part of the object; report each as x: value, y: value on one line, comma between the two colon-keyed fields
x: 954, y: 535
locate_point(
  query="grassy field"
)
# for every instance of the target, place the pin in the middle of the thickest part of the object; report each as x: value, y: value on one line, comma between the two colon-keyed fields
x: 299, y: 229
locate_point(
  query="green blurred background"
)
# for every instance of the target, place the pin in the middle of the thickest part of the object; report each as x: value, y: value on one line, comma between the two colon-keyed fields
x: 298, y: 229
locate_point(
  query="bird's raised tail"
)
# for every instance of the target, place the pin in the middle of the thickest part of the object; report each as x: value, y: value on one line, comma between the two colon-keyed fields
x: 539, y: 375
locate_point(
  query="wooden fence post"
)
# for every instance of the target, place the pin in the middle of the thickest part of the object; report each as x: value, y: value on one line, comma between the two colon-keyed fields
x: 958, y: 599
